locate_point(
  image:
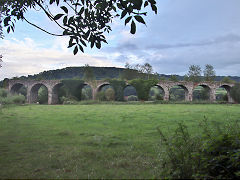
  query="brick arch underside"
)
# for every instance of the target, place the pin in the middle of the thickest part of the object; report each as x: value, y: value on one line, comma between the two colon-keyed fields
x: 54, y: 94
x: 102, y: 85
x: 228, y: 89
x: 210, y: 91
x: 125, y: 89
x: 163, y: 90
x: 34, y: 92
x: 187, y: 96
x: 16, y: 87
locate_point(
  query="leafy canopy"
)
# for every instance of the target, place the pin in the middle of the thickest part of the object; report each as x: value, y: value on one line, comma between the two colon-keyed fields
x: 83, y: 21
x: 209, y: 73
x: 194, y: 73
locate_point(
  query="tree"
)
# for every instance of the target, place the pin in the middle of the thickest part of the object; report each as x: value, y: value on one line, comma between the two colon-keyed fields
x: 147, y: 68
x: 162, y: 78
x: 88, y: 73
x: 227, y: 79
x: 209, y: 73
x: 137, y: 71
x: 128, y: 73
x: 194, y: 73
x: 186, y: 78
x: 110, y: 94
x: 173, y: 78
x: 83, y: 21
x: 235, y: 92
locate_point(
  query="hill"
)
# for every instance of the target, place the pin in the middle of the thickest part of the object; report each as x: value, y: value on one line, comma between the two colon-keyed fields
x: 99, y: 72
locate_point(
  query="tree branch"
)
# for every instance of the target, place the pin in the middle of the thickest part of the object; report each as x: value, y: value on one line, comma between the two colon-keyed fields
x: 49, y: 15
x: 42, y: 28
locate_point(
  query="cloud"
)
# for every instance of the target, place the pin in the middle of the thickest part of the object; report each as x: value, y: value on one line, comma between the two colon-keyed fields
x: 222, y: 39
x: 183, y: 33
x: 27, y: 57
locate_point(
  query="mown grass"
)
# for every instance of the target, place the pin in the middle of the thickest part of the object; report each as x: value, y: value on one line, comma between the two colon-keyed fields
x: 94, y: 141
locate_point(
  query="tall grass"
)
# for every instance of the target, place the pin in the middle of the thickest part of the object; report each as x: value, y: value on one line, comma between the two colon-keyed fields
x: 6, y: 98
x: 213, y: 154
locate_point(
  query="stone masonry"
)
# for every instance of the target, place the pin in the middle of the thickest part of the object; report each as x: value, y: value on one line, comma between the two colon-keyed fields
x: 52, y: 86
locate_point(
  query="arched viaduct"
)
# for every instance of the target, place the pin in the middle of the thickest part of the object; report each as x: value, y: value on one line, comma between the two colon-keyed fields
x: 52, y: 86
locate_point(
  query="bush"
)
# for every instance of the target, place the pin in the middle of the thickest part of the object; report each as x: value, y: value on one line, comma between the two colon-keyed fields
x: 110, y: 94
x: 68, y: 100
x: 12, y: 99
x: 118, y: 87
x: 143, y: 87
x: 5, y: 100
x: 3, y: 92
x: 100, y: 96
x: 159, y: 97
x: 73, y: 86
x: 214, y: 154
x: 235, y: 92
x: 18, y: 99
x: 132, y: 98
x: 43, y: 95
x: 86, y: 93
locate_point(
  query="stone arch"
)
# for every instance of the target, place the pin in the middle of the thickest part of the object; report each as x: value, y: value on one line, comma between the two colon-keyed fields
x: 227, y: 87
x: 129, y: 92
x: 186, y: 91
x: 16, y: 87
x: 33, y: 96
x: 53, y: 96
x: 206, y: 87
x: 90, y: 94
x: 103, y: 88
x: 99, y: 87
x: 161, y: 90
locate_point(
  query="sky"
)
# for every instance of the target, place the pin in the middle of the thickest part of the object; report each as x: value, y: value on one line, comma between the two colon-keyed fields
x: 183, y: 33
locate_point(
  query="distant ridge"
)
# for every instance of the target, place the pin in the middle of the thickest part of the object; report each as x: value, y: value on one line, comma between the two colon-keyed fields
x: 99, y: 72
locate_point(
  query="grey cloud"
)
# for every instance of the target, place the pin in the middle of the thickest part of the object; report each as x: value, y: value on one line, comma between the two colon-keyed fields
x: 222, y: 39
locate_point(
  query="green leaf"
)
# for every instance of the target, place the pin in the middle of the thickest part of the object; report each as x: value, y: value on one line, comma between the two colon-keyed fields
x: 12, y: 28
x: 98, y: 44
x: 81, y: 11
x: 51, y: 1
x: 152, y: 2
x: 139, y: 19
x: 92, y: 43
x: 127, y: 20
x: 65, y: 20
x: 64, y: 9
x: 154, y: 8
x: 87, y: 34
x: 82, y: 2
x: 133, y: 28
x: 8, y: 29
x: 71, y: 44
x: 75, y: 50
x: 83, y: 42
x: 145, y: 4
x: 6, y: 20
x: 81, y: 48
x: 58, y: 16
x: 123, y: 14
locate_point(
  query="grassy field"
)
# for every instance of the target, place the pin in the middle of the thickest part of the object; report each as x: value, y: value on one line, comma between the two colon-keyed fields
x: 94, y: 141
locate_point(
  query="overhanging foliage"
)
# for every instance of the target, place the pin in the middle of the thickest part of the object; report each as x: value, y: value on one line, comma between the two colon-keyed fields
x: 143, y: 87
x: 73, y: 87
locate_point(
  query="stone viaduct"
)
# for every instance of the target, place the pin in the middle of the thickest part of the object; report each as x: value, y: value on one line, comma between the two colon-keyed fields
x: 52, y: 86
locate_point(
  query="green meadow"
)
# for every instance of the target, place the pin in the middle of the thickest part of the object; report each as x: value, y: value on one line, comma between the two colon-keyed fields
x: 95, y: 141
